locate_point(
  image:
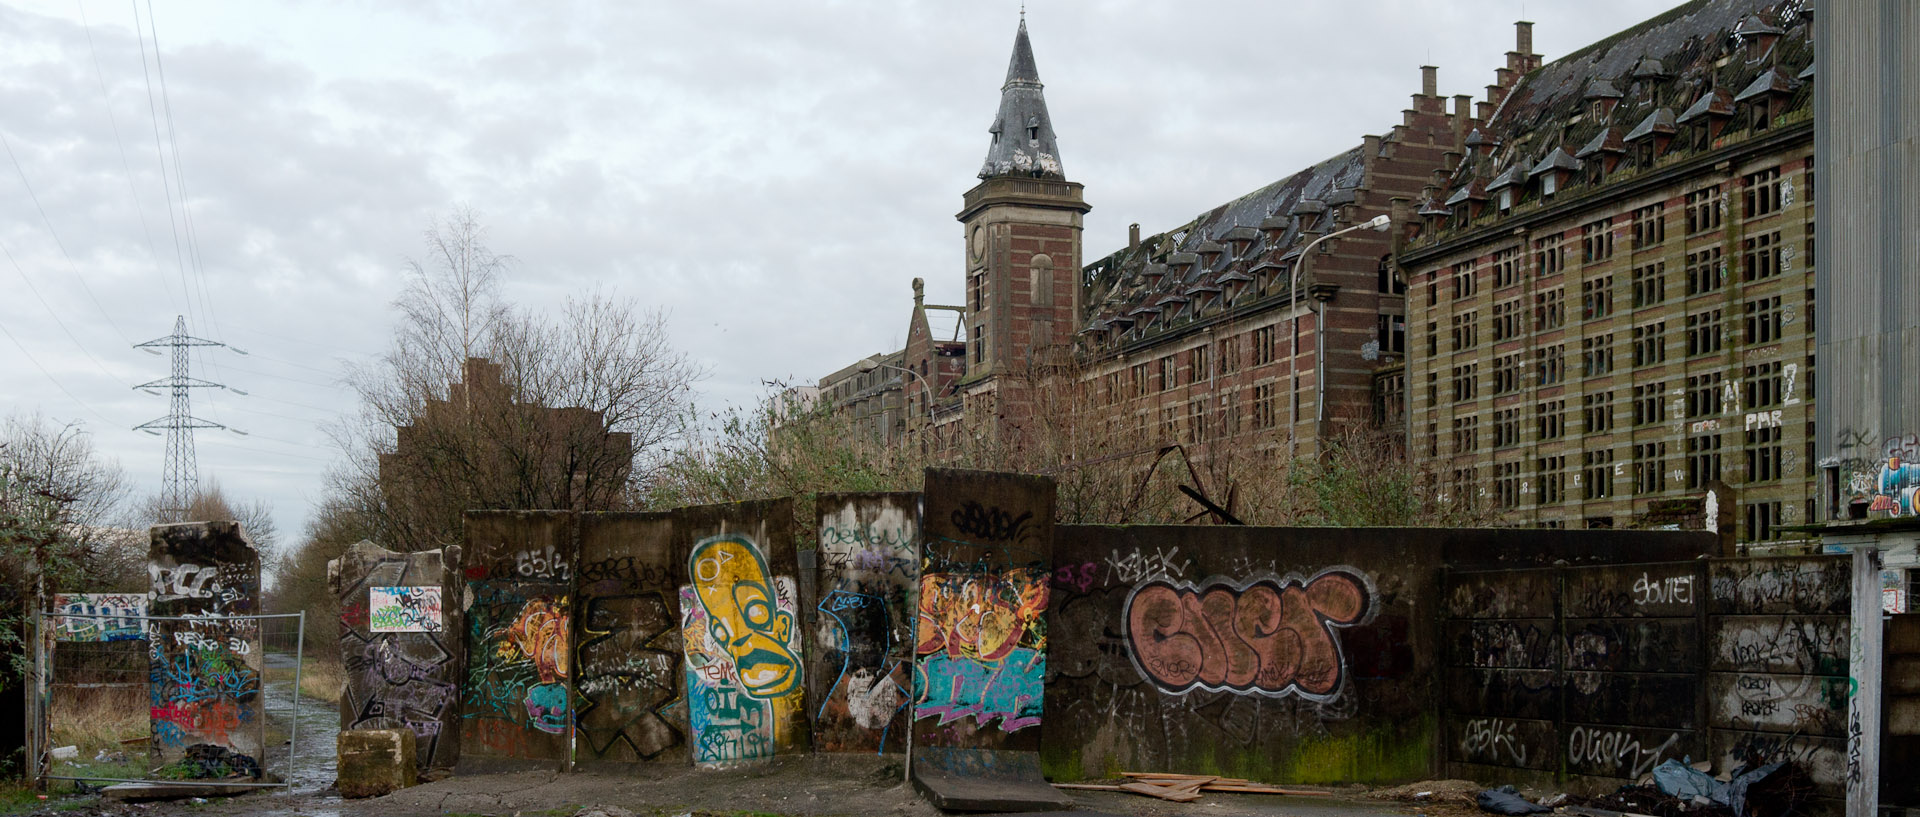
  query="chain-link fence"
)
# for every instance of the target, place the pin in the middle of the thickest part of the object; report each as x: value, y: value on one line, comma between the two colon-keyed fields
x: 207, y: 700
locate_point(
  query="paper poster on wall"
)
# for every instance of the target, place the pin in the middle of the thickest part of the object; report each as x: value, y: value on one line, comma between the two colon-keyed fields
x: 404, y: 609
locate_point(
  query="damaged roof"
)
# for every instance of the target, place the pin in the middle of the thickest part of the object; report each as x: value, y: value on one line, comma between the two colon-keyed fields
x: 1023, y: 141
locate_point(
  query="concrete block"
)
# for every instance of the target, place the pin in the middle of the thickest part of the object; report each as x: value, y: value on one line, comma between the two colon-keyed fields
x: 373, y: 762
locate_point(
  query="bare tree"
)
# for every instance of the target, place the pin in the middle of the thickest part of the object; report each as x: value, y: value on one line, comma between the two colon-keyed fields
x: 88, y: 496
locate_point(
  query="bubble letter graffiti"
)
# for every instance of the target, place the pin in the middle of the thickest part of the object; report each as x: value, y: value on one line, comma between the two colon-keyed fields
x: 1272, y: 637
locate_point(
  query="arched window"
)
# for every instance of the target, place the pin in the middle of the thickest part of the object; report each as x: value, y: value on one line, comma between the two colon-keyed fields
x: 1040, y: 280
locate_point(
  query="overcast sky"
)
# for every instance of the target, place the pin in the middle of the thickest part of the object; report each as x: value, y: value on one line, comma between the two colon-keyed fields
x: 774, y: 174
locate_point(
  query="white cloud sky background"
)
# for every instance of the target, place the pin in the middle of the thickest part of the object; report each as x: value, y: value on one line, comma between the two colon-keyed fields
x: 772, y: 174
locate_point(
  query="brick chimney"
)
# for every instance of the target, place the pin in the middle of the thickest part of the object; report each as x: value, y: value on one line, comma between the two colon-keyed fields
x: 1429, y: 80
x: 1133, y: 236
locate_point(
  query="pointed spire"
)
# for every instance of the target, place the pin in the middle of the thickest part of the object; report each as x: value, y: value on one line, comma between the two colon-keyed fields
x: 1023, y: 140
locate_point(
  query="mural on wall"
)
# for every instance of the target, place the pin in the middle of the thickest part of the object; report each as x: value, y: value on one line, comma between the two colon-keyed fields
x: 126, y: 610
x: 1267, y: 636
x: 860, y: 671
x: 403, y: 679
x: 744, y: 676
x: 204, y: 671
x: 404, y: 610
x: 627, y: 674
x: 982, y: 645
x: 516, y: 699
x: 1896, y: 485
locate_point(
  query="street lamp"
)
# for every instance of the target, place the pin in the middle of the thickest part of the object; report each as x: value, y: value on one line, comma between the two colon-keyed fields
x: 870, y: 364
x: 1378, y: 223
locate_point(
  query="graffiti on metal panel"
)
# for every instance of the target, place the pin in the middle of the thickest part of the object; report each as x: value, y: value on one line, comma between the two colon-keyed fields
x: 403, y: 609
x: 629, y: 672
x: 863, y: 631
x: 983, y: 646
x: 1273, y: 637
x: 126, y: 609
x: 744, y: 675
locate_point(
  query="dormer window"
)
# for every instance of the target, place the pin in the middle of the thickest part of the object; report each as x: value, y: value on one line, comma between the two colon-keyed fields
x: 1549, y: 184
x: 1506, y: 199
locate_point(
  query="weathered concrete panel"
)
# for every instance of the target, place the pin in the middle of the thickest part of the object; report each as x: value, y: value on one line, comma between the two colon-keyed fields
x: 981, y: 641
x: 1269, y: 653
x: 1791, y: 643
x: 516, y: 703
x: 1626, y: 752
x: 1631, y: 698
x: 1816, y: 585
x: 1500, y: 594
x: 1633, y: 644
x: 1801, y: 704
x: 740, y: 624
x: 1503, y: 643
x: 1513, y: 693
x: 205, y: 671
x: 628, y: 645
x: 1510, y: 742
x: 1649, y: 590
x: 860, y: 664
x: 1825, y: 759
x: 400, y: 678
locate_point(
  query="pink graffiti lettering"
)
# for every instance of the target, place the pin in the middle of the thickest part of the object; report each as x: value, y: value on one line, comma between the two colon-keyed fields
x: 1268, y: 637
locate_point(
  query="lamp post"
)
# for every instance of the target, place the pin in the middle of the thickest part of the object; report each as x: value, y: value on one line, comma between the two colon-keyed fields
x: 870, y: 364
x: 1378, y: 223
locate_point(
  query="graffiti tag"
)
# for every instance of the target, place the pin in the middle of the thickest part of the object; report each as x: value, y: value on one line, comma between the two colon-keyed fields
x: 1269, y: 636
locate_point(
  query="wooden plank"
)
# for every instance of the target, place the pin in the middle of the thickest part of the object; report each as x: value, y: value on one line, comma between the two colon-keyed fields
x: 1268, y: 790
x: 1161, y: 792
x: 1088, y: 786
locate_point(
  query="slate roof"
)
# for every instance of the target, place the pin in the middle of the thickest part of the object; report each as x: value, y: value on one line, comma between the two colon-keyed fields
x: 1689, y: 59
x: 1023, y: 140
x: 1274, y: 219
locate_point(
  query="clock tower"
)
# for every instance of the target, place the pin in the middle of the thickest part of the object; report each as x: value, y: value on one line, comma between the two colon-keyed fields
x: 1021, y: 226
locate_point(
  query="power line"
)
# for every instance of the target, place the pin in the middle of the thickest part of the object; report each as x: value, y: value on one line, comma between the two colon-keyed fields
x: 56, y: 381
x: 159, y: 155
x: 180, y: 177
x: 54, y: 314
x: 56, y: 238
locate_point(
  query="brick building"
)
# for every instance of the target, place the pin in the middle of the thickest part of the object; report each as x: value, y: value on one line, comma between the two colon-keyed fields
x: 1611, y: 294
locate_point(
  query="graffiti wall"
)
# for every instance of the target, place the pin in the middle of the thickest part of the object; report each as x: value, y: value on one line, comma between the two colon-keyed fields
x: 125, y: 609
x: 1267, y: 653
x: 399, y: 646
x: 980, y: 641
x: 205, y: 668
x: 516, y: 705
x: 628, y: 645
x: 860, y: 659
x: 741, y: 633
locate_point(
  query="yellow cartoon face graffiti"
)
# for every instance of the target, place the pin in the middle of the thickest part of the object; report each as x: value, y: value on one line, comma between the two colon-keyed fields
x: 743, y: 615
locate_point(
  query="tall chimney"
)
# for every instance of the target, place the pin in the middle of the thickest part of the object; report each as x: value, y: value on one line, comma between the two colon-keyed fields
x: 1523, y: 38
x: 1133, y: 236
x: 1429, y: 80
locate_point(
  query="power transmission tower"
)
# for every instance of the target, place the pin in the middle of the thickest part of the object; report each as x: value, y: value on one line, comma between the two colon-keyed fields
x: 181, y: 479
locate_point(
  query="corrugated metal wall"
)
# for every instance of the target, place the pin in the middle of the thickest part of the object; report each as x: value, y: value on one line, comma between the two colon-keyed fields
x: 1868, y: 252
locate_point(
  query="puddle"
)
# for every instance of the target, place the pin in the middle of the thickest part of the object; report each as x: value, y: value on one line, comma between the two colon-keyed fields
x: 311, y: 771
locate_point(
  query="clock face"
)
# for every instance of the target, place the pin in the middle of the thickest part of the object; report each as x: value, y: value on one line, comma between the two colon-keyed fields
x: 979, y: 242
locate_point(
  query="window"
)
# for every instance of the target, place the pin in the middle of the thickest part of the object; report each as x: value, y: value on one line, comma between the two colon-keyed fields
x: 1506, y: 484
x: 1230, y: 355
x: 1548, y: 256
x: 1390, y: 283
x: 1549, y: 309
x: 1649, y: 226
x: 1433, y: 439
x: 1703, y: 460
x: 1552, y: 486
x: 1761, y: 385
x: 1265, y: 411
x: 1433, y: 388
x: 1763, y: 453
x: 1596, y: 474
x: 1465, y: 482
x: 1703, y: 333
x: 1199, y: 369
x: 1762, y: 191
x: 1465, y: 334
x: 1763, y: 520
x: 1550, y: 365
x: 976, y: 291
x: 1704, y: 271
x: 1650, y: 344
x: 1549, y: 419
x: 1596, y: 298
x: 1762, y: 320
x: 1646, y: 403
x: 1433, y: 338
x: 1389, y: 399
x: 1390, y: 331
x: 1231, y: 403
x: 1506, y: 427
x: 1197, y: 420
x: 1506, y: 320
x: 1168, y: 377
x: 1263, y: 346
x: 1596, y: 355
x: 1040, y: 281
x: 1649, y: 284
x: 1809, y: 256
x: 1466, y: 435
x: 1703, y: 395
x: 1140, y: 380
x: 1760, y: 256
x: 1704, y: 209
x: 1649, y: 468
x: 1596, y: 242
x: 1506, y: 268
x: 1463, y: 381
x: 1169, y: 423
x: 1596, y: 412
x: 1506, y: 372
x: 1463, y: 284
x: 979, y: 344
